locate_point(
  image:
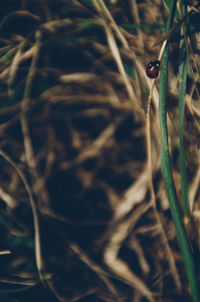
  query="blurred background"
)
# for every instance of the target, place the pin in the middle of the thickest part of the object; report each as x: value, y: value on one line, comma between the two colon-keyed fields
x: 75, y: 199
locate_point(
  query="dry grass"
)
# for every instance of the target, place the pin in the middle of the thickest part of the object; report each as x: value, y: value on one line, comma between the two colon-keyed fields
x: 76, y: 181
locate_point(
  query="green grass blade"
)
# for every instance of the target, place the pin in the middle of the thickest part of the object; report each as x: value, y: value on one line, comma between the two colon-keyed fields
x: 182, y: 92
x: 167, y: 173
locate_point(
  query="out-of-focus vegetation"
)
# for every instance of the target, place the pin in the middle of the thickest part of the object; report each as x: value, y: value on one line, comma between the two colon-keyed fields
x: 84, y: 214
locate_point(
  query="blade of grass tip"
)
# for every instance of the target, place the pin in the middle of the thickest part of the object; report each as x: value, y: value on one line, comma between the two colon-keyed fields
x: 167, y: 173
x: 182, y: 92
x: 19, y: 281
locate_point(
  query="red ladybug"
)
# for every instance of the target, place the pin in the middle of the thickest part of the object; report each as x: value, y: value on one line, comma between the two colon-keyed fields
x: 152, y: 69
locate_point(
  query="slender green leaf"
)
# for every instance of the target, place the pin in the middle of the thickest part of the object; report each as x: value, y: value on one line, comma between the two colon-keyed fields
x: 182, y: 92
x: 167, y: 172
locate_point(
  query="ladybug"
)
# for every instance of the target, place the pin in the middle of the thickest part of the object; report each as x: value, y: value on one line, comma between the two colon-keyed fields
x: 152, y: 69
